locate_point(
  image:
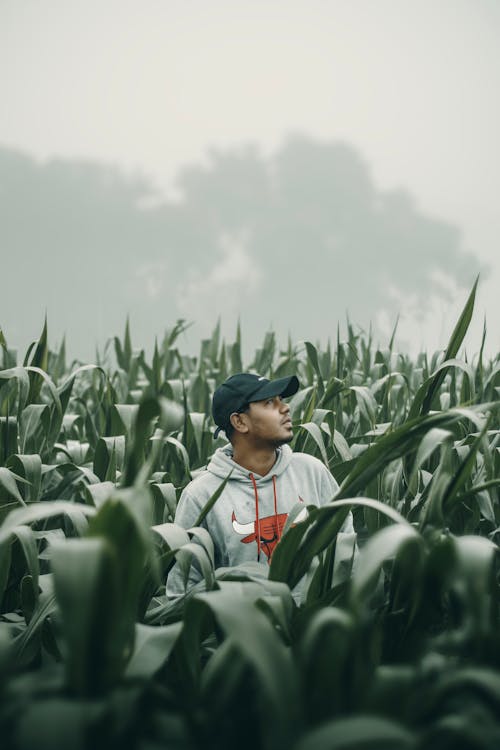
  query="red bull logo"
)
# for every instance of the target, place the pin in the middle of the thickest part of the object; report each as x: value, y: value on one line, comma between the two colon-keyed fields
x: 271, y: 529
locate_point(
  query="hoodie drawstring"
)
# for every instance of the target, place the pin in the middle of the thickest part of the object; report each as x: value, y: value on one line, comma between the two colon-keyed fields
x: 257, y: 517
x: 278, y: 529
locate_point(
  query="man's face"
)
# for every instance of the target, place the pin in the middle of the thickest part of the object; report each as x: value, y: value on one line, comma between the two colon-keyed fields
x: 269, y: 422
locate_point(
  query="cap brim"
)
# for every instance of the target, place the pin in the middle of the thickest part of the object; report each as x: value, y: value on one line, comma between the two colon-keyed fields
x: 281, y: 387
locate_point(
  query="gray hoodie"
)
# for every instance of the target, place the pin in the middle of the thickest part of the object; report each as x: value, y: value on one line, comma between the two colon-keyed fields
x: 250, y: 502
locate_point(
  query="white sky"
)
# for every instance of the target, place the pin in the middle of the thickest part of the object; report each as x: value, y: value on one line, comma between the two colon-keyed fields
x: 151, y: 84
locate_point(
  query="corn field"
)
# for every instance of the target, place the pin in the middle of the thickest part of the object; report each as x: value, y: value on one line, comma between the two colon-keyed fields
x: 401, y: 650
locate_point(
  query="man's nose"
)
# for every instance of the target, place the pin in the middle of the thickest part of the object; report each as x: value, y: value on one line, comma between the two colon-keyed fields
x: 284, y: 407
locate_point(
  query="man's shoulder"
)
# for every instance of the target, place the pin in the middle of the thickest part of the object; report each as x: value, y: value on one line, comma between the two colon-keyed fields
x: 203, y: 485
x: 194, y: 496
x: 313, y: 468
x: 204, y: 481
x: 307, y: 461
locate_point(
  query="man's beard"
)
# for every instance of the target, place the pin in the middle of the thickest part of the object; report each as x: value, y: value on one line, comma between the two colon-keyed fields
x: 282, y: 441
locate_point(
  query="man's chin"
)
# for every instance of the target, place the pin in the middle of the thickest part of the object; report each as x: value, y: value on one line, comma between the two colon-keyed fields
x: 283, y: 441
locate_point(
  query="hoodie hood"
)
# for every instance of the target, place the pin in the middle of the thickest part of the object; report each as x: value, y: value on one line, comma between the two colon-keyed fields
x: 222, y: 463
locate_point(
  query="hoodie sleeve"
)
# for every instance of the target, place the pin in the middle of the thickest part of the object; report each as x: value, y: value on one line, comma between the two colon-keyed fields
x: 188, y: 510
x: 329, y: 485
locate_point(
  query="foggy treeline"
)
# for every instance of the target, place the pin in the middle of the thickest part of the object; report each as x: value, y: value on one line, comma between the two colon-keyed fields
x: 290, y: 240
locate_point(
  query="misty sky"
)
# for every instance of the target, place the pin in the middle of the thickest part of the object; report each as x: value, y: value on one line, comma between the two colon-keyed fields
x: 152, y: 86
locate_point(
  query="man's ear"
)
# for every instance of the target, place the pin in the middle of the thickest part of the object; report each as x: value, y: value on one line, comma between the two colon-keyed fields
x: 238, y: 422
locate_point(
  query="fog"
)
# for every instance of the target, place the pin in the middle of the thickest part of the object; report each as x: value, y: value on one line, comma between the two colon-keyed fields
x: 293, y: 242
x: 285, y: 165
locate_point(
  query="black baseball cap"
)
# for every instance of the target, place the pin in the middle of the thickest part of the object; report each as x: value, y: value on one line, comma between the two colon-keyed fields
x: 242, y: 389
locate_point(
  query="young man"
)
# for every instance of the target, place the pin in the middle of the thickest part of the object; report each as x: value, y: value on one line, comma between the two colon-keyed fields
x: 266, y: 478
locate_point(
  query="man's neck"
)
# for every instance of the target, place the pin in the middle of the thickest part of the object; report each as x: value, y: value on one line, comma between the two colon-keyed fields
x: 258, y: 462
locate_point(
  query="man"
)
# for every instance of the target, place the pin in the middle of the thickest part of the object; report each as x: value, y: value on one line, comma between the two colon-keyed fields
x: 266, y: 478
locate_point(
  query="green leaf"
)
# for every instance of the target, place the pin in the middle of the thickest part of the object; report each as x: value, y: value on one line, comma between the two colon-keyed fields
x: 326, y: 663
x: 316, y: 434
x: 26, y: 539
x: 174, y: 535
x: 185, y: 557
x: 8, y: 486
x: 109, y: 451
x: 358, y: 473
x: 297, y: 548
x: 20, y: 374
x: 26, y: 646
x: 5, y: 560
x: 424, y: 398
x: 38, y: 364
x: 86, y: 580
x: 127, y: 414
x: 98, y: 493
x: 366, y: 403
x: 360, y: 732
x: 54, y: 722
x: 478, y: 590
x: 41, y: 512
x: 152, y: 648
x: 312, y: 355
x: 165, y: 501
x: 464, y: 472
x: 380, y: 547
x: 34, y: 427
x: 431, y: 441
x: 256, y: 639
x: 8, y: 438
x: 29, y: 468
x: 149, y: 409
x: 64, y: 391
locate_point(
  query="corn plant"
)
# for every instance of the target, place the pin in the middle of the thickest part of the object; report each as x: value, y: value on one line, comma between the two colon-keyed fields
x: 396, y: 647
